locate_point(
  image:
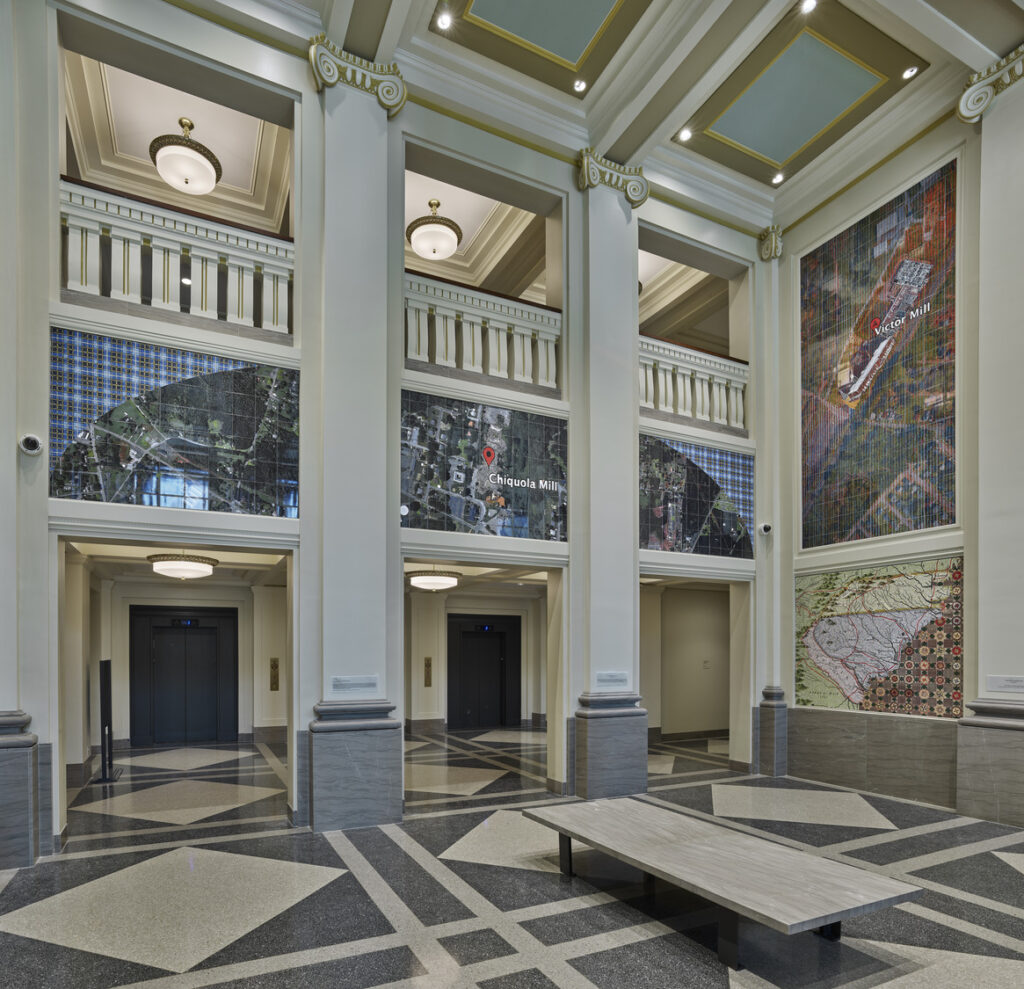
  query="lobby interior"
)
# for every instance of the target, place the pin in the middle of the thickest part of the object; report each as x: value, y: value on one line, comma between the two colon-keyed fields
x: 670, y: 467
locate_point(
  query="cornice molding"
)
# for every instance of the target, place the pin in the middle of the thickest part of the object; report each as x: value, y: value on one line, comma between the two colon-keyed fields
x: 982, y: 88
x: 627, y: 179
x: 332, y: 64
x: 769, y: 243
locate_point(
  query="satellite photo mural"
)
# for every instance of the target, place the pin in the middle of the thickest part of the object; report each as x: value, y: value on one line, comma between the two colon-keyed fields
x: 141, y: 424
x: 695, y: 499
x: 886, y: 638
x: 469, y: 467
x: 877, y: 315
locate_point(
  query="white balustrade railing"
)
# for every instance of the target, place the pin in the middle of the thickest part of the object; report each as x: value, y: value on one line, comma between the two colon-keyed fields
x: 692, y: 384
x: 234, y: 274
x: 454, y: 326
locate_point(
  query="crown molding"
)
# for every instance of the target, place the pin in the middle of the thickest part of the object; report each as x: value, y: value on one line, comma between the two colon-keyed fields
x: 332, y: 65
x: 627, y: 179
x: 982, y: 88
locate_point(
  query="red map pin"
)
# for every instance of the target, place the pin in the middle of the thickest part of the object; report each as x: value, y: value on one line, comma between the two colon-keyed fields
x: 488, y: 453
x: 875, y: 324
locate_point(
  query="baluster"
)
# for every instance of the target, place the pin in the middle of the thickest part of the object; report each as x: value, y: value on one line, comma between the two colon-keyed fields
x: 125, y: 265
x: 166, y: 274
x: 275, y: 298
x: 720, y: 412
x: 417, y: 331
x: 83, y: 255
x: 520, y: 356
x: 663, y: 380
x: 442, y: 351
x: 646, y: 384
x: 684, y: 391
x: 546, y: 362
x: 496, y: 350
x: 240, y: 290
x: 736, y: 411
x: 703, y: 395
x: 204, y: 283
x: 469, y: 350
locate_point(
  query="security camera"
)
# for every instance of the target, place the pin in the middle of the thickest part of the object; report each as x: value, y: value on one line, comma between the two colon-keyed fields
x: 766, y: 528
x: 31, y: 444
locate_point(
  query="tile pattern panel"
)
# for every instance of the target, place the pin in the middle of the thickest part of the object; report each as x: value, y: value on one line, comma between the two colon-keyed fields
x: 146, y: 425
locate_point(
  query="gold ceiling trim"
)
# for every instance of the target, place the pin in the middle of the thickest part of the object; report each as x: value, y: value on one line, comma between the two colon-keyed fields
x: 332, y: 64
x: 882, y: 80
x: 245, y: 32
x: 515, y: 39
x: 627, y: 179
x: 982, y: 88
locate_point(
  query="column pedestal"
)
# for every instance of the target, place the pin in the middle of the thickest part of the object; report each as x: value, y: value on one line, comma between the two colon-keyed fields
x: 355, y: 758
x: 611, y: 746
x: 19, y: 791
x: 773, y: 724
x: 990, y: 761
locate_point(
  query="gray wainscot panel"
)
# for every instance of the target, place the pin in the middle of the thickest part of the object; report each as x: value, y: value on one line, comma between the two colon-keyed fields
x: 611, y: 746
x: 19, y: 792
x: 990, y: 761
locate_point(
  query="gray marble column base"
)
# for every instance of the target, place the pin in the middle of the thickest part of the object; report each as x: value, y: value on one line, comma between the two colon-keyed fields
x: 19, y: 791
x: 773, y: 720
x: 990, y: 761
x: 611, y: 746
x: 355, y: 759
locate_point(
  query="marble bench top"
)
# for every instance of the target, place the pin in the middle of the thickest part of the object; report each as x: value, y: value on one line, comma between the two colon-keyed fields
x: 780, y: 887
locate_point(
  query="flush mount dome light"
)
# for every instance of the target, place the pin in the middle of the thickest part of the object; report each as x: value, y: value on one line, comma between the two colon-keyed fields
x: 434, y: 580
x: 184, y: 164
x: 434, y: 237
x: 182, y: 566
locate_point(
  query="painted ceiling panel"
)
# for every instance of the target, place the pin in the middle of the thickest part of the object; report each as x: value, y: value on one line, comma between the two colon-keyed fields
x: 565, y: 29
x: 788, y: 104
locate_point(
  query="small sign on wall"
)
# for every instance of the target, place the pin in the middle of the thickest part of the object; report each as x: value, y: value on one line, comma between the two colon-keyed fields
x: 611, y: 680
x: 364, y: 685
x: 1007, y: 684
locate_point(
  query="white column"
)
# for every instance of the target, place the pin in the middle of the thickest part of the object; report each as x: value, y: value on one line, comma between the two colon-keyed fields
x: 442, y: 350
x: 521, y: 353
x: 496, y: 349
x: 240, y: 290
x: 166, y: 274
x: 125, y: 265
x: 204, y: 283
x: 611, y: 731
x: 83, y: 255
x: 417, y: 330
x: 469, y: 349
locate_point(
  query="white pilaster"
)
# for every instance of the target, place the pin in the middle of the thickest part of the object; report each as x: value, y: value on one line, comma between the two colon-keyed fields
x: 442, y: 351
x: 240, y: 291
x: 470, y: 346
x: 83, y: 255
x: 417, y: 331
x: 521, y: 354
x: 496, y: 349
x: 275, y: 298
x: 204, y: 283
x: 166, y: 274
x: 125, y: 265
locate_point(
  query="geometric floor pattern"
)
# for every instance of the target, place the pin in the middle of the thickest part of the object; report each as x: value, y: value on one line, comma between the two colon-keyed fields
x: 465, y: 892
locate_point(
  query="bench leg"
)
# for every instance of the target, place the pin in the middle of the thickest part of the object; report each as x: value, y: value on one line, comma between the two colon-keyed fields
x: 565, y: 854
x: 729, y: 939
x: 830, y: 932
x: 648, y: 884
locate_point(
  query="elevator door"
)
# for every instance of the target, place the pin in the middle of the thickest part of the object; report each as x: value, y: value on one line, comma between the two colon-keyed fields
x: 484, y: 671
x: 184, y: 685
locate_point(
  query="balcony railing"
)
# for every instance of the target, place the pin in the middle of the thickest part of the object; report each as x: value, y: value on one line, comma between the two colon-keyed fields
x: 134, y: 252
x: 691, y: 384
x: 455, y: 326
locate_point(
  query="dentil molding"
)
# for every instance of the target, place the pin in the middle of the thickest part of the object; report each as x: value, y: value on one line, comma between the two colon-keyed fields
x: 331, y: 65
x: 983, y: 87
x: 629, y: 180
x: 770, y: 242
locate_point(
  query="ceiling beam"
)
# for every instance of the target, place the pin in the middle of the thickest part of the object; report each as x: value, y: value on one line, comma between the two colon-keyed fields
x: 521, y: 264
x: 393, y: 28
x: 336, y: 21
x: 941, y: 31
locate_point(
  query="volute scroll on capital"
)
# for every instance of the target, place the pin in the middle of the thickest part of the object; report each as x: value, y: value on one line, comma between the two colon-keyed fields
x: 332, y: 64
x: 769, y: 243
x: 983, y: 87
x: 595, y: 170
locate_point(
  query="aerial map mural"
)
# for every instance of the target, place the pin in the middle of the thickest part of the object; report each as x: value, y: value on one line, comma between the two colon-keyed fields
x: 877, y: 308
x: 882, y: 639
x: 140, y: 424
x: 695, y: 499
x: 469, y: 467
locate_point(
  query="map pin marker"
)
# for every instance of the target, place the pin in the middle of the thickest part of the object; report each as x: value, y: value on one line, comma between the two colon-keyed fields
x: 488, y: 453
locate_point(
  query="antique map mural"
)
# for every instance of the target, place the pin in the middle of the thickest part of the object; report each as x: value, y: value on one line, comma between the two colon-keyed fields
x: 140, y: 424
x: 695, y: 499
x: 469, y: 467
x: 886, y: 638
x: 877, y: 307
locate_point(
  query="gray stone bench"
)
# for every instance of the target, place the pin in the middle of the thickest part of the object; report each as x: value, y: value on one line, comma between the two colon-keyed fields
x: 745, y: 876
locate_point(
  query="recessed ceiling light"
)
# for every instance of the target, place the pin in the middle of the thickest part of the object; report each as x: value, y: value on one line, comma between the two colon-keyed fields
x: 444, y: 21
x: 778, y: 178
x: 685, y: 134
x: 186, y: 281
x: 910, y: 73
x: 807, y: 6
x: 579, y: 85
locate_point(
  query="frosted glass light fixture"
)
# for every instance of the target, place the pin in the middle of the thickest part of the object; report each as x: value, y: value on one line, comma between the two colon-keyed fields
x: 434, y: 580
x: 434, y: 237
x: 182, y: 566
x: 184, y: 164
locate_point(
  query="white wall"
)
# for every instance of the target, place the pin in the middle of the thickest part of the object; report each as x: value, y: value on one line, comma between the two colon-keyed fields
x: 650, y: 653
x: 695, y: 660
x: 74, y: 659
x: 270, y: 641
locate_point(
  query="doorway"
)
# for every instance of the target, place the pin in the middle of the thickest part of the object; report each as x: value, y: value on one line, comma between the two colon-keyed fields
x: 484, y: 671
x: 183, y: 676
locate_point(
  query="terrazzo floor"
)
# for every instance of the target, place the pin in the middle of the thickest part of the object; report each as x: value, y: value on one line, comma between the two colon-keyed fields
x: 185, y: 873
